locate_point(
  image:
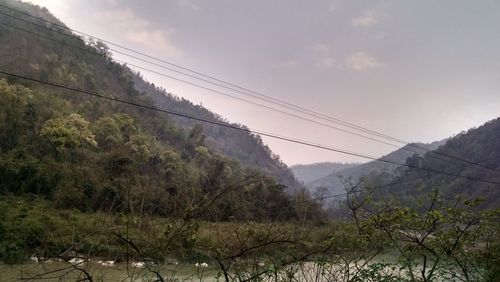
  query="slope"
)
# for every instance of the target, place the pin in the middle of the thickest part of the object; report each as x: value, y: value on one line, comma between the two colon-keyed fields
x: 310, y: 172
x: 248, y: 149
x: 93, y: 155
x: 480, y: 145
x: 336, y: 182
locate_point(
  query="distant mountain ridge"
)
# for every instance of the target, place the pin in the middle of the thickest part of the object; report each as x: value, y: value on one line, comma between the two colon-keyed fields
x: 310, y: 172
x: 334, y: 182
x: 480, y: 147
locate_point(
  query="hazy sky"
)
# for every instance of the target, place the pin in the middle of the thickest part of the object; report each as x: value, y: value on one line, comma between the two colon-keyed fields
x: 416, y: 70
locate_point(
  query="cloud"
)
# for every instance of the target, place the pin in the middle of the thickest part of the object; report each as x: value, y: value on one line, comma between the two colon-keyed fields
x: 381, y: 35
x: 333, y: 6
x: 189, y: 4
x: 368, y: 19
x: 322, y: 56
x: 326, y: 62
x: 290, y: 64
x: 140, y: 31
x: 360, y: 61
x: 320, y: 48
x: 111, y: 2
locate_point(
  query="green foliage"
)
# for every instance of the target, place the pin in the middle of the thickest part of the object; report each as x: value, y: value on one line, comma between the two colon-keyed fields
x: 480, y: 145
x: 108, y: 133
x: 94, y: 155
x: 113, y: 163
x: 380, y: 272
x: 68, y: 132
x: 14, y: 115
x: 438, y: 239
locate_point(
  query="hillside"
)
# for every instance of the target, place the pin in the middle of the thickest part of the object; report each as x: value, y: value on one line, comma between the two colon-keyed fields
x: 335, y: 182
x: 93, y: 155
x: 310, y: 172
x: 248, y: 149
x: 479, y: 145
x: 43, y: 54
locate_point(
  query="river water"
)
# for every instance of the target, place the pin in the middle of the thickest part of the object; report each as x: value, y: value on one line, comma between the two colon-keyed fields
x: 63, y: 271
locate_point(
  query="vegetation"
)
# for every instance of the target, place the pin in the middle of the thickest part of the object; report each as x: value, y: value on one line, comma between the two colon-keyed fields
x: 52, y: 149
x: 335, y: 181
x: 33, y: 227
x: 39, y: 53
x: 311, y: 172
x: 435, y: 239
x: 247, y: 148
x: 478, y: 145
x: 87, y: 179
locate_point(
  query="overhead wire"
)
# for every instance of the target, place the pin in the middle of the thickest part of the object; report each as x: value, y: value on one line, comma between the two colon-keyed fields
x: 320, y: 145
x: 394, y: 182
x: 342, y: 194
x: 208, y: 89
x: 203, y: 87
x: 265, y: 97
x: 262, y: 133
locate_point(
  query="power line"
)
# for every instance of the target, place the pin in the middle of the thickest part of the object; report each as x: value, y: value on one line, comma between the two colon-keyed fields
x: 203, y: 87
x: 274, y: 136
x: 251, y: 93
x: 215, y: 91
x: 169, y: 76
x: 210, y: 89
x: 397, y: 182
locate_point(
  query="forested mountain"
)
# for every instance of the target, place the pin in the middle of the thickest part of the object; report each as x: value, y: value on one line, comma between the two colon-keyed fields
x: 248, y: 149
x: 336, y: 182
x: 90, y: 154
x: 478, y: 145
x: 310, y: 172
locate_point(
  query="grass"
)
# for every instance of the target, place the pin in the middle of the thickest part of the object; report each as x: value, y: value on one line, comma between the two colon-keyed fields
x: 31, y: 226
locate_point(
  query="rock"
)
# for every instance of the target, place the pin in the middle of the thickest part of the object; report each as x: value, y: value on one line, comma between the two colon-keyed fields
x: 138, y: 264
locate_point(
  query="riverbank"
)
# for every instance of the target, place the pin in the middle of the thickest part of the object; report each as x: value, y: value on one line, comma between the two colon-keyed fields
x: 63, y: 271
x: 32, y: 227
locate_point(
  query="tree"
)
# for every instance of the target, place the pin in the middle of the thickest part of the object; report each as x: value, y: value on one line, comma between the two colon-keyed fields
x: 107, y: 133
x: 13, y: 113
x: 436, y: 239
x: 70, y: 132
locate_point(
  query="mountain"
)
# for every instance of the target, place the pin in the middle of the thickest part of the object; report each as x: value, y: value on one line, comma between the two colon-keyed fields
x: 335, y: 182
x: 247, y: 148
x: 82, y: 152
x: 310, y: 172
x: 480, y: 147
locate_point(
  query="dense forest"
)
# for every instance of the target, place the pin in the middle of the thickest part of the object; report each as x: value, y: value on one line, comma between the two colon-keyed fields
x: 85, y: 153
x: 463, y: 167
x: 478, y: 146
x: 248, y: 149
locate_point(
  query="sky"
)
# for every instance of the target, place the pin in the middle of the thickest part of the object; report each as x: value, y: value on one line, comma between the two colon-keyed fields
x: 420, y: 71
